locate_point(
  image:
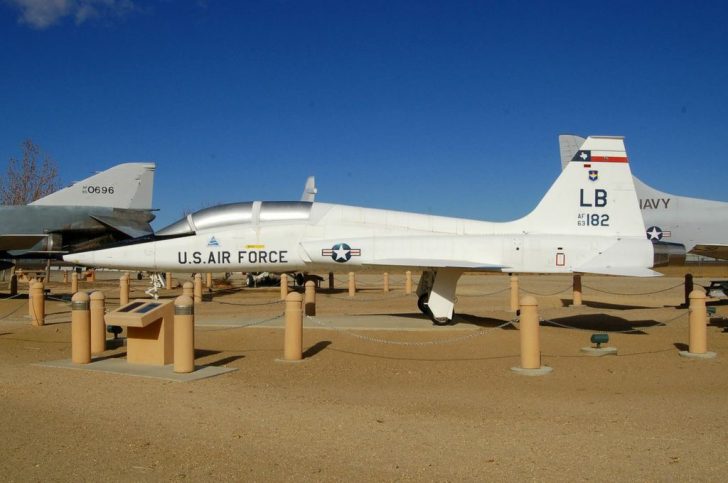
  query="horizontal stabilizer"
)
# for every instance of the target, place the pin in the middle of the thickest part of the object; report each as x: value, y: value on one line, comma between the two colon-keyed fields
x: 621, y: 271
x: 127, y: 186
x: 130, y: 228
x: 19, y: 242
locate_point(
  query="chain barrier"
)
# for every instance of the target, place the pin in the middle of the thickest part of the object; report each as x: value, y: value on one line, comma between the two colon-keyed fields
x: 484, y: 294
x: 359, y: 299
x: 644, y: 293
x: 250, y: 324
x: 473, y: 333
x: 3, y: 317
x: 248, y: 305
x: 546, y: 294
x: 630, y: 331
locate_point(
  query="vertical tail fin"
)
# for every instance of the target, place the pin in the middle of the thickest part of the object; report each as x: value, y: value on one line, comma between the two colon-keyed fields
x: 594, y: 195
x: 128, y: 185
x: 309, y: 190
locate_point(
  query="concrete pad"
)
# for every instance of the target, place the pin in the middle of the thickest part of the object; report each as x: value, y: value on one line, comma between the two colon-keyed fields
x: 704, y: 355
x: 119, y: 365
x: 338, y: 322
x: 541, y: 371
x: 599, y: 351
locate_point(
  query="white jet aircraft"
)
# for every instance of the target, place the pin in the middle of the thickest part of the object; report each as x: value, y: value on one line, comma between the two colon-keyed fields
x: 700, y: 225
x: 589, y: 221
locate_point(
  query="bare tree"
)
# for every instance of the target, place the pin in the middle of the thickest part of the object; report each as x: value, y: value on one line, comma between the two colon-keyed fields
x: 28, y: 179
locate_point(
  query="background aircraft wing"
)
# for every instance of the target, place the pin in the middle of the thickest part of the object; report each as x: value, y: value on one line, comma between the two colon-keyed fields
x: 19, y: 242
x: 131, y: 228
x: 714, y: 251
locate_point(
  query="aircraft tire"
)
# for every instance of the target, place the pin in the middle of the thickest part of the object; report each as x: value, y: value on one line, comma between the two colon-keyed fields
x: 441, y: 321
x: 422, y: 304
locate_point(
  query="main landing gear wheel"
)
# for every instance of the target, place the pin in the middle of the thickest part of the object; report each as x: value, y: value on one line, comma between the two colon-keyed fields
x: 422, y: 305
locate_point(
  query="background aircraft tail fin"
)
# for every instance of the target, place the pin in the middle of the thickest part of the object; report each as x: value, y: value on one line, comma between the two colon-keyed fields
x: 309, y: 190
x: 128, y: 185
x: 594, y: 195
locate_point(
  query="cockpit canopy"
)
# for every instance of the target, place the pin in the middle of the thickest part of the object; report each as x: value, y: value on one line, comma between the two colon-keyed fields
x: 238, y: 214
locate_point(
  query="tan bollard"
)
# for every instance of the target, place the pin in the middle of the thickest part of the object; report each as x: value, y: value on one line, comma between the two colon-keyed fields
x: 352, y: 284
x: 184, y: 334
x: 530, y: 344
x: 576, y: 298
x: 98, y: 328
x: 698, y: 323
x: 198, y: 288
x: 168, y: 280
x: 284, y: 286
x: 124, y: 289
x: 65, y: 276
x: 514, y: 293
x: 386, y: 282
x: 310, y: 298
x: 208, y: 280
x: 698, y: 348
x: 37, y: 304
x: 187, y: 290
x: 408, y: 282
x: 74, y: 282
x: 293, y: 339
x: 80, y: 329
x: 331, y: 280
x: 92, y: 276
x: 13, y: 285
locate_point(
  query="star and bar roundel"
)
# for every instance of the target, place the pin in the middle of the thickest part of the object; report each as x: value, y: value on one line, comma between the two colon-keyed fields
x: 341, y: 252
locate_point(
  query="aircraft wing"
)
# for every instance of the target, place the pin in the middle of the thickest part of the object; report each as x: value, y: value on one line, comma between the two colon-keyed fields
x: 131, y: 228
x: 19, y: 242
x: 399, y: 251
x: 713, y: 251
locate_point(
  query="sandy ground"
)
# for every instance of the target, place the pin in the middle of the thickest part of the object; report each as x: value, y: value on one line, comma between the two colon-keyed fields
x: 378, y: 402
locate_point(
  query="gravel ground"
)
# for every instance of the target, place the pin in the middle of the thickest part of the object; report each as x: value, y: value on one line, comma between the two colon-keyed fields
x: 430, y: 404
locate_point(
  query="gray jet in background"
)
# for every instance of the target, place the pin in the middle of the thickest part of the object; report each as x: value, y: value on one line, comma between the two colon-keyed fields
x: 110, y: 206
x: 700, y: 225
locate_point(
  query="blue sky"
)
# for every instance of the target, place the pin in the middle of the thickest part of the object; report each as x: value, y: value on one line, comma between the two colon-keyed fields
x: 450, y: 108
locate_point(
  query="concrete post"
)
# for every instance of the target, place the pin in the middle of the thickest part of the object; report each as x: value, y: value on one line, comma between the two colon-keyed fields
x: 74, y: 282
x: 698, y: 323
x: 80, y: 329
x: 92, y: 276
x: 386, y: 282
x: 198, y: 288
x: 184, y: 334
x: 208, y: 280
x: 98, y: 328
x: 514, y: 293
x: 124, y: 289
x: 284, y: 286
x: 37, y: 304
x: 13, y: 285
x: 293, y: 341
x: 168, y: 280
x: 688, y: 288
x: 187, y: 290
x: 331, y: 280
x: 576, y: 298
x: 310, y: 298
x: 408, y: 282
x: 65, y: 276
x: 352, y: 284
x: 528, y: 327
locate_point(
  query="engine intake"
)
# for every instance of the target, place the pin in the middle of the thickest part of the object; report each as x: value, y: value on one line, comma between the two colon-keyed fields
x: 668, y: 254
